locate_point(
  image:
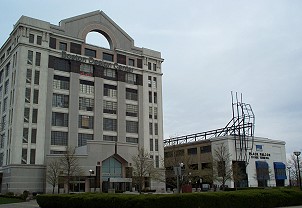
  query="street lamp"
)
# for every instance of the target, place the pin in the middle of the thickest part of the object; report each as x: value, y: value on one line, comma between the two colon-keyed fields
x: 177, y: 171
x: 290, y: 185
x: 90, y: 172
x: 297, y: 153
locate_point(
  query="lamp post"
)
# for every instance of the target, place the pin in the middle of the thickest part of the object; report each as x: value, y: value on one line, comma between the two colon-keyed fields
x: 177, y: 171
x: 297, y: 153
x: 90, y: 172
x: 290, y: 185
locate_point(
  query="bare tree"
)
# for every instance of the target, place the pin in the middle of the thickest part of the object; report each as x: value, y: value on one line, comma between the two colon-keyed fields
x: 70, y: 165
x: 143, y: 168
x: 222, y: 164
x: 238, y: 174
x: 53, y: 171
x: 293, y: 164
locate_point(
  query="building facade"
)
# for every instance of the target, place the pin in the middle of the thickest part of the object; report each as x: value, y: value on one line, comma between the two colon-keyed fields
x: 58, y: 91
x: 265, y: 164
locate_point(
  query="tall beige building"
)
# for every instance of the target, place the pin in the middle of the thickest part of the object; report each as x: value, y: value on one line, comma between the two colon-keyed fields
x: 56, y: 90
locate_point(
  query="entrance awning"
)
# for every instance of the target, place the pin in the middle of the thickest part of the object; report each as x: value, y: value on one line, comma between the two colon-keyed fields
x: 280, y: 173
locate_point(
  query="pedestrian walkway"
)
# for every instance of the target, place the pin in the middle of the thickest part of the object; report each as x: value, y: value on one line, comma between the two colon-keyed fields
x: 30, y: 204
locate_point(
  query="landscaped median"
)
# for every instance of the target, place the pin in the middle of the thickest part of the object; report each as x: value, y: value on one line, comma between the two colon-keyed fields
x: 245, y: 198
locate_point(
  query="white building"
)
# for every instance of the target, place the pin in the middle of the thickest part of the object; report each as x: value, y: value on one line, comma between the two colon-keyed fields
x: 57, y: 91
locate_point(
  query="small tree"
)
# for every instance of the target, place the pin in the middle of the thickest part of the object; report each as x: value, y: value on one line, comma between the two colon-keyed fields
x: 222, y: 164
x: 70, y: 165
x: 292, y: 162
x: 238, y: 174
x: 53, y: 171
x: 143, y: 167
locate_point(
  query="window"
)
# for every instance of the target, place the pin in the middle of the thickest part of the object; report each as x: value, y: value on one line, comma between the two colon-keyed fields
x: 33, y: 136
x: 25, y: 135
x: 205, y: 149
x: 3, y: 122
x: 109, y: 107
x: 63, y: 46
x: 60, y: 82
x: 86, y: 104
x: 156, y: 128
x: 131, y: 126
x: 31, y: 38
x: 131, y: 94
x: 155, y: 112
x: 157, y: 161
x: 52, y: 42
x: 150, y: 111
x: 109, y: 124
x: 6, y: 86
x: 83, y: 138
x: 149, y: 81
x: 131, y: 78
x: 192, y: 151
x: 4, y: 107
x: 149, y: 65
x: 150, y: 128
x: 110, y: 90
x: 32, y: 156
x: 38, y: 58
x: 35, y: 116
x: 28, y: 76
x: 59, y: 138
x: 27, y: 95
x: 107, y: 57
x: 131, y: 110
x: 75, y: 48
x: 109, y: 73
x: 1, y: 76
x: 155, y: 97
x: 39, y: 40
x: 26, y: 115
x: 7, y: 70
x: 86, y: 87
x: 150, y: 97
x: 30, y: 56
x: 205, y: 166
x: 36, y: 96
x: 60, y: 100
x: 85, y: 122
x: 156, y: 144
x: 86, y: 69
x: 193, y: 166
x: 154, y: 82
x: 90, y: 52
x: 132, y: 140
x: 24, y: 156
x: 37, y: 78
x: 131, y: 62
x: 110, y: 138
x: 62, y: 65
x: 59, y: 119
x: 151, y: 144
x: 121, y: 59
x: 154, y: 66
x: 140, y: 63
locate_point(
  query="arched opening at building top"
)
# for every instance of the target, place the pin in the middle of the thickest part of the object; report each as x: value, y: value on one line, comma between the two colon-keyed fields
x: 99, y: 38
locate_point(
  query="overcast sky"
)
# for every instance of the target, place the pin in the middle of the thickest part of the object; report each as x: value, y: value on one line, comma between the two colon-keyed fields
x: 210, y: 49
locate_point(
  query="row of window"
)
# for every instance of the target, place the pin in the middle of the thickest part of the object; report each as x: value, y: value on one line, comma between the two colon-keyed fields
x: 87, y: 87
x: 61, y: 138
x: 32, y: 156
x: 190, y: 151
x: 77, y: 49
x: 152, y: 82
x: 84, y: 121
x: 154, y: 97
x: 153, y: 112
x: 32, y: 39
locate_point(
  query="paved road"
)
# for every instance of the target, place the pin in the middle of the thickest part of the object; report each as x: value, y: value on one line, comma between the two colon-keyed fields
x: 30, y: 204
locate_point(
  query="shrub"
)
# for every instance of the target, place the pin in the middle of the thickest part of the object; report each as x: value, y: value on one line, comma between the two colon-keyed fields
x: 248, y: 198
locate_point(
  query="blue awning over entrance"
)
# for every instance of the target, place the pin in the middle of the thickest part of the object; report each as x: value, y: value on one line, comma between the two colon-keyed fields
x: 280, y: 173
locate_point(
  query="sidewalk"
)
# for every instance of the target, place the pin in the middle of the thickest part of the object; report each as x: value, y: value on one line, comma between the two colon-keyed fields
x: 30, y: 204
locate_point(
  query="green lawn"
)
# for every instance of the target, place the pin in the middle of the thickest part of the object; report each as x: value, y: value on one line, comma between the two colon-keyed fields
x: 9, y: 200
